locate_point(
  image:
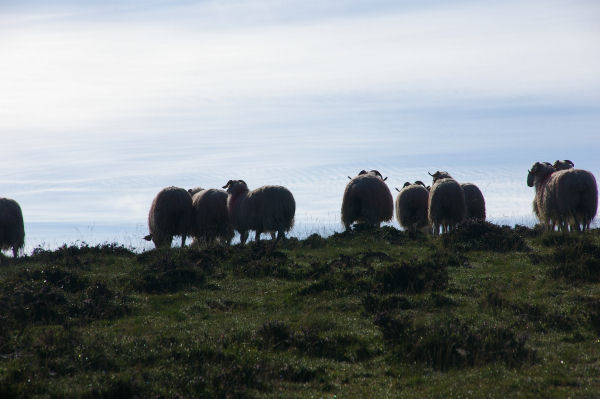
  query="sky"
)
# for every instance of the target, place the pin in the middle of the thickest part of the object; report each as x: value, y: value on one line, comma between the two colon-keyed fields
x: 104, y: 103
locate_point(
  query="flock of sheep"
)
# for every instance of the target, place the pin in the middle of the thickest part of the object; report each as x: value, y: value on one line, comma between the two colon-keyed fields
x: 565, y: 197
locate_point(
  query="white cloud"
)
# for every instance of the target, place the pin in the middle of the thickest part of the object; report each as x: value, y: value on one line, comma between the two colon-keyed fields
x: 76, y: 75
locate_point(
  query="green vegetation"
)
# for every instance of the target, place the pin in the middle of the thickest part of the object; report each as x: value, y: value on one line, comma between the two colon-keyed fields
x: 485, y: 311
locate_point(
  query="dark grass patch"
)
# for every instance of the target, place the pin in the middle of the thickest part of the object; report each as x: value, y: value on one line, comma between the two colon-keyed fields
x: 99, y: 302
x: 348, y: 275
x: 50, y: 295
x: 167, y: 271
x: 592, y: 309
x: 313, y: 341
x: 412, y: 276
x: 529, y: 232
x: 448, y: 343
x: 388, y: 234
x: 542, y: 316
x: 477, y: 235
x: 575, y: 260
x: 79, y: 255
x: 375, y: 304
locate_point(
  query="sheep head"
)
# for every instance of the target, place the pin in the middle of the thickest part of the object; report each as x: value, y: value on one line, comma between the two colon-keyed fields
x: 564, y: 164
x: 440, y: 175
x: 539, y: 171
x: 234, y: 186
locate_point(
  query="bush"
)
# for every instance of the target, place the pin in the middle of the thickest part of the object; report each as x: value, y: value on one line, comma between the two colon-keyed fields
x: 477, y: 235
x: 451, y: 343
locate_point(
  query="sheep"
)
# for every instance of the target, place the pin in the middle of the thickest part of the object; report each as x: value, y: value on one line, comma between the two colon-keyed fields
x: 210, y: 219
x: 567, y: 198
x: 411, y: 206
x: 474, y: 201
x: 265, y: 209
x: 170, y: 215
x: 446, y: 206
x: 367, y: 199
x: 12, y: 230
x: 562, y: 165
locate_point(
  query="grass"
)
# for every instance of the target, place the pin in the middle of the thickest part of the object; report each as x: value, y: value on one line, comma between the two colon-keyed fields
x: 485, y: 311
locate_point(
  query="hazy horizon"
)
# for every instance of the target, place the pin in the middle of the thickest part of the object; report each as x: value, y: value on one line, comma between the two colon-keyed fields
x: 105, y: 103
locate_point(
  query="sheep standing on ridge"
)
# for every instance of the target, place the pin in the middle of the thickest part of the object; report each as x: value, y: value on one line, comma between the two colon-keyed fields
x: 411, y: 206
x: 446, y: 203
x: 367, y: 199
x: 170, y: 215
x: 474, y: 201
x: 265, y: 209
x: 210, y: 220
x: 567, y: 197
x: 12, y: 230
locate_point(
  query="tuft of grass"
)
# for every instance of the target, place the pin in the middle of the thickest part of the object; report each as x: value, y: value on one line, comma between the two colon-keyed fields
x: 574, y: 259
x: 448, y: 342
x: 477, y: 235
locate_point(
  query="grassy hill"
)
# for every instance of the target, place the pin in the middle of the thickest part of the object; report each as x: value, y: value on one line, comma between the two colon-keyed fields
x: 485, y: 311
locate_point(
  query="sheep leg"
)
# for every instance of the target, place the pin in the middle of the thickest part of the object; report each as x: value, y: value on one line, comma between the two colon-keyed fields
x: 257, y: 235
x: 280, y: 235
x: 272, y: 235
x: 243, y: 236
x: 182, y: 240
x: 15, y: 252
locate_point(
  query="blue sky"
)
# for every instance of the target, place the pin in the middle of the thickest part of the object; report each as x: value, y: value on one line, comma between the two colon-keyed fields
x: 105, y: 102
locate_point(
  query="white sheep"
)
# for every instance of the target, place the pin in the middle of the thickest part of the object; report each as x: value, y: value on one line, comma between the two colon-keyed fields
x: 12, y: 229
x: 210, y: 220
x: 474, y: 201
x: 367, y: 199
x: 170, y: 215
x: 446, y: 203
x: 567, y: 198
x: 411, y: 206
x: 265, y: 209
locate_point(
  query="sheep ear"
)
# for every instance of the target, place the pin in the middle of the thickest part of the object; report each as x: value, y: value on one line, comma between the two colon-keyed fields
x: 397, y: 189
x: 148, y: 237
x: 228, y: 184
x: 362, y: 172
x: 385, y: 178
x: 349, y: 178
x: 406, y: 184
x: 241, y: 181
x: 430, y: 174
x: 570, y: 162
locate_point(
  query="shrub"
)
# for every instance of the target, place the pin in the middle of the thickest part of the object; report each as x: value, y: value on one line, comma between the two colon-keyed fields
x: 477, y: 235
x: 451, y: 343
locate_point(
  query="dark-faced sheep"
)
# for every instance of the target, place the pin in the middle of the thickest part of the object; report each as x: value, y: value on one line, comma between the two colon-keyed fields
x: 210, y: 221
x: 265, y: 209
x: 567, y: 198
x: 170, y: 215
x: 563, y: 165
x: 367, y: 199
x: 411, y: 206
x: 474, y: 201
x: 12, y: 230
x: 446, y: 203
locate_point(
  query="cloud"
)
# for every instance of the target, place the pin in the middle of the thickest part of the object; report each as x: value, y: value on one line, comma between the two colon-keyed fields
x: 77, y: 74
